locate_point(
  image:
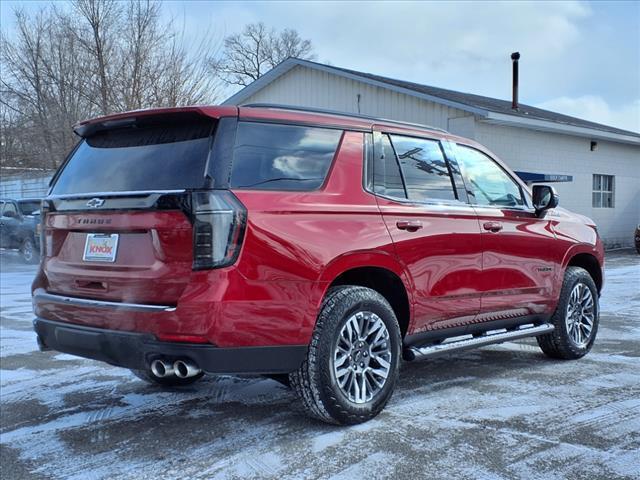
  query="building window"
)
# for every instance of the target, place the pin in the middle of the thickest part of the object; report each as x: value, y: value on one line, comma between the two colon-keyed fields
x: 603, y: 191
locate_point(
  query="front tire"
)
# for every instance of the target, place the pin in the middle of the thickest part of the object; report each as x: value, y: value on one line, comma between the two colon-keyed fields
x: 576, y: 318
x: 353, y: 361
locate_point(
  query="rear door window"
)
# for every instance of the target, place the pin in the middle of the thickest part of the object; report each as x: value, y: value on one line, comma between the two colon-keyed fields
x: 282, y: 157
x: 424, y: 168
x: 163, y: 156
x: 413, y: 168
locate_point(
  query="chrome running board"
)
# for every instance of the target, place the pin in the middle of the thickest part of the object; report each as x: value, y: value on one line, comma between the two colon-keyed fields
x: 465, y: 343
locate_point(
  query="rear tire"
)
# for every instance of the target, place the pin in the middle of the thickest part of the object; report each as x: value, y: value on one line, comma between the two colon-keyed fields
x: 353, y: 361
x: 170, y: 381
x: 576, y: 318
x: 28, y: 251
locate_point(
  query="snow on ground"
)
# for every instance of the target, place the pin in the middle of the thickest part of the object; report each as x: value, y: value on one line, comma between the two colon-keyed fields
x: 503, y: 411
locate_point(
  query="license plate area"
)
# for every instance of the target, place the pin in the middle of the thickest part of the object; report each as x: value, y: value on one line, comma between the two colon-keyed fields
x: 100, y: 247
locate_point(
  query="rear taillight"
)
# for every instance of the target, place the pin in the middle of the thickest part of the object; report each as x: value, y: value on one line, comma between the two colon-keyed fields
x: 218, y: 228
x: 45, y: 207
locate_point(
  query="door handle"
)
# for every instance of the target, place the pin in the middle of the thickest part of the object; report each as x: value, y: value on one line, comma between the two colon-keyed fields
x: 492, y: 226
x: 409, y: 225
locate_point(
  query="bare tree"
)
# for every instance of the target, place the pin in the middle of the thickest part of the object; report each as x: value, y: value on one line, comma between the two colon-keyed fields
x: 97, y: 31
x: 250, y: 54
x: 93, y: 57
x: 27, y: 86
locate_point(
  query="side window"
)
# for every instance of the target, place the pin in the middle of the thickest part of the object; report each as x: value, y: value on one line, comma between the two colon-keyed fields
x: 487, y: 181
x: 282, y: 157
x: 9, y: 207
x: 424, y: 168
x: 387, y: 179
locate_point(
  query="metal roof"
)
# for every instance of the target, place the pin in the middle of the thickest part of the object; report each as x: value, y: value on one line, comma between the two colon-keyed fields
x: 491, y: 104
x: 490, y: 109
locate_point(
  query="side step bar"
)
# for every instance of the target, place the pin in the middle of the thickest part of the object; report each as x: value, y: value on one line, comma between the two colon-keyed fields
x: 489, y: 338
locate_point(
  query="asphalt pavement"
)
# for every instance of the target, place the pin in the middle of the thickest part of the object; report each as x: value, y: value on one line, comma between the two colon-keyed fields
x: 503, y: 411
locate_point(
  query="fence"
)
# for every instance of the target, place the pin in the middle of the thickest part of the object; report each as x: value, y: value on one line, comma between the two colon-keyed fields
x: 25, y: 184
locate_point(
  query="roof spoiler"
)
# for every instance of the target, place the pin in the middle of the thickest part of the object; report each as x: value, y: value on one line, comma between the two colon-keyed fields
x: 129, y: 119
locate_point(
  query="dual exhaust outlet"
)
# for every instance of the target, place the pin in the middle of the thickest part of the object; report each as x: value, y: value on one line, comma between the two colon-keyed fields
x: 179, y: 368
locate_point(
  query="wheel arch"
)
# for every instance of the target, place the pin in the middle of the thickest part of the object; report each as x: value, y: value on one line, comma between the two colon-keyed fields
x: 590, y: 263
x: 378, y: 271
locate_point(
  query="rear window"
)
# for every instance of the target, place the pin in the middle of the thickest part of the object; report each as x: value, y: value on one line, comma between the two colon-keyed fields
x: 282, y: 157
x: 146, y: 157
x: 29, y: 208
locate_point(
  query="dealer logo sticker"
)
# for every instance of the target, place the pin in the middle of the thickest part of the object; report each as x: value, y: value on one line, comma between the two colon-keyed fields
x: 100, y: 247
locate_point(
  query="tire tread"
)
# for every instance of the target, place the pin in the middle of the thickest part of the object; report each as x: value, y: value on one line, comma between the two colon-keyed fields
x: 557, y: 344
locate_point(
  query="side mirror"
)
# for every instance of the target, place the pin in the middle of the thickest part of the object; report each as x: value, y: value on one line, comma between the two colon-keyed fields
x: 544, y: 198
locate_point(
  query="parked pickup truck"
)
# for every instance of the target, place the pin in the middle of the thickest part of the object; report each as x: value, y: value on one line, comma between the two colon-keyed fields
x: 318, y: 248
x: 19, y: 227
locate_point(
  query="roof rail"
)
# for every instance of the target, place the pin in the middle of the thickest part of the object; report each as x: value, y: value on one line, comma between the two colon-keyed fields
x: 295, y: 108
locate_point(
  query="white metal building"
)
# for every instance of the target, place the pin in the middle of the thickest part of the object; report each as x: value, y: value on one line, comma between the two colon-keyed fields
x: 602, y: 163
x: 28, y: 183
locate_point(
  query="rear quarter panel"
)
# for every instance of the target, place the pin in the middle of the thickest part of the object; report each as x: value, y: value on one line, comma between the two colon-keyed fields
x: 297, y: 243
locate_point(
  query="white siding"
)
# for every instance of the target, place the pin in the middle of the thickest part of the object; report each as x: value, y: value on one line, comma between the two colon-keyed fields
x: 307, y: 87
x: 521, y: 148
x: 541, y: 152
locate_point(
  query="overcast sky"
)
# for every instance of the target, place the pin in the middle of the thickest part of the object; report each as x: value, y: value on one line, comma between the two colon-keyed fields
x: 578, y: 58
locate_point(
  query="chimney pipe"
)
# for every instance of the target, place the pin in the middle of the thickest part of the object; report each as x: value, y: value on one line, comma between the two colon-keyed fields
x: 515, y: 56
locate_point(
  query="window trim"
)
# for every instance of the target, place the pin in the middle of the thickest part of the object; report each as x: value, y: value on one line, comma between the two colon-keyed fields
x: 612, y: 191
x: 370, y: 188
x: 397, y: 157
x: 525, y: 207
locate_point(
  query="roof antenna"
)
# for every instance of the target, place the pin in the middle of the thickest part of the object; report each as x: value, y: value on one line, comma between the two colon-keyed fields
x: 515, y: 56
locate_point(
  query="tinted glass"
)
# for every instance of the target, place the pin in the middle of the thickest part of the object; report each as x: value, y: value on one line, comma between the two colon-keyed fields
x: 282, y: 157
x: 9, y: 207
x: 489, y: 183
x: 29, y: 208
x: 386, y: 172
x: 160, y: 157
x: 424, y: 168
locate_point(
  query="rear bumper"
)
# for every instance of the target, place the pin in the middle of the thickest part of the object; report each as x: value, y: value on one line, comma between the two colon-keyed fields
x: 138, y: 350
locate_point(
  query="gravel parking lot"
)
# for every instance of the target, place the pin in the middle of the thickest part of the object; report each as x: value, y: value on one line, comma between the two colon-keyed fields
x: 503, y: 411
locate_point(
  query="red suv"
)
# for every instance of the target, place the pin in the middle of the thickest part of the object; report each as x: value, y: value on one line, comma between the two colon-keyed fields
x: 317, y: 248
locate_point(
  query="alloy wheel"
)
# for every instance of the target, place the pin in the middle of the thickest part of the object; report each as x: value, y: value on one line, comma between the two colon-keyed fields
x: 362, y: 357
x: 580, y: 315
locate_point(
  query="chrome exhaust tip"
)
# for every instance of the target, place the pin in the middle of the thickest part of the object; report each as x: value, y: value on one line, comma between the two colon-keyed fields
x: 185, y: 369
x: 161, y: 368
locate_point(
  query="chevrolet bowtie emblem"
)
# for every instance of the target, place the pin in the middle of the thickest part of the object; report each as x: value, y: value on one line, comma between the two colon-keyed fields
x: 95, y: 203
